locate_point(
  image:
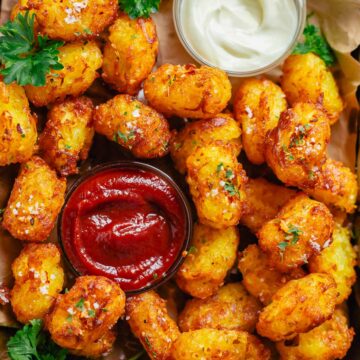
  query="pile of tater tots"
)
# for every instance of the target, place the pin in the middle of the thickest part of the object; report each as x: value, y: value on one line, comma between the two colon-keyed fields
x: 289, y: 300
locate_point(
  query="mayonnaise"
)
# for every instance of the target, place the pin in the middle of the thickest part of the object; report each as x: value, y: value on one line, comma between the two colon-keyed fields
x: 239, y: 35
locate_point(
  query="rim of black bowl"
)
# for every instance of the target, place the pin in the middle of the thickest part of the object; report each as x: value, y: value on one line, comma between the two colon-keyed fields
x: 142, y: 166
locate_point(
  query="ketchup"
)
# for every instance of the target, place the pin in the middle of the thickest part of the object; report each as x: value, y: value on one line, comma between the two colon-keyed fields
x: 128, y: 224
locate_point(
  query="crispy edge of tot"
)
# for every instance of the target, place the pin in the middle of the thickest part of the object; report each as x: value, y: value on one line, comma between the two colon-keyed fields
x: 290, y: 239
x: 263, y: 202
x: 335, y: 186
x: 299, y: 306
x: 219, y: 129
x: 231, y: 308
x: 208, y: 247
x: 59, y: 145
x: 259, y: 277
x: 82, y: 316
x: 339, y: 260
x: 38, y: 270
x: 331, y: 340
x: 258, y: 104
x: 150, y: 322
x: 23, y: 220
x: 218, y: 344
x: 296, y: 149
x: 306, y: 78
x: 17, y: 125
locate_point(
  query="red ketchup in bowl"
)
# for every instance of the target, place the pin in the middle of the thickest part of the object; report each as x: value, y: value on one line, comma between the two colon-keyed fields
x: 127, y: 223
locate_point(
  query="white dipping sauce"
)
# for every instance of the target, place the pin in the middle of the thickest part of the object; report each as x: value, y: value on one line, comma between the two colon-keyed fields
x: 239, y: 35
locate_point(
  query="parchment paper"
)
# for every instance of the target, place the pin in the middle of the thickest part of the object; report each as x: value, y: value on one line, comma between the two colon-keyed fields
x: 339, y: 20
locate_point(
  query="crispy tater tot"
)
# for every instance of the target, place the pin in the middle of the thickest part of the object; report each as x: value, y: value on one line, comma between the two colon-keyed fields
x: 231, y: 308
x: 68, y: 134
x: 216, y: 181
x: 259, y: 278
x: 99, y: 347
x: 35, y: 201
x: 296, y: 148
x: 263, y: 200
x: 188, y: 91
x: 149, y: 321
x: 80, y: 61
x: 299, y: 306
x: 81, y: 319
x: 212, y: 344
x: 129, y: 53
x: 302, y: 228
x: 211, y: 256
x: 18, y: 132
x: 306, y: 78
x: 133, y: 125
x: 39, y: 278
x: 220, y: 129
x: 329, y: 341
x: 70, y: 20
x: 257, y: 106
x: 336, y: 186
x: 338, y: 260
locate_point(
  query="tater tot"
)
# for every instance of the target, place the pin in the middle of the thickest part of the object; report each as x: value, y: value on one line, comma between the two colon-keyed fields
x: 336, y: 186
x: 296, y: 148
x: 149, y: 321
x: 307, y: 79
x: 220, y: 129
x: 211, y: 256
x: 35, y: 201
x: 259, y: 277
x: 188, y: 91
x: 338, y: 260
x: 299, y: 306
x: 70, y: 20
x: 329, y: 341
x: 302, y: 228
x: 257, y: 106
x: 39, y: 278
x: 18, y: 132
x: 216, y: 181
x: 129, y: 53
x: 231, y: 308
x: 80, y: 61
x: 81, y: 319
x: 211, y: 344
x: 68, y: 134
x: 133, y: 125
x: 263, y: 201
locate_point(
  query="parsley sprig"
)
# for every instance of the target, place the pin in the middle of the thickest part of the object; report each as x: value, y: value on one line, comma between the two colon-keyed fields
x: 139, y: 8
x: 316, y: 43
x: 292, y: 235
x: 30, y: 343
x: 26, y: 57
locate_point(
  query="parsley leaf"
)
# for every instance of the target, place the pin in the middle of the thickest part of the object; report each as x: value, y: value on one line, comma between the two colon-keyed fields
x: 231, y: 189
x: 27, y: 58
x: 292, y: 235
x: 80, y: 304
x: 31, y: 343
x: 139, y: 8
x: 316, y: 43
